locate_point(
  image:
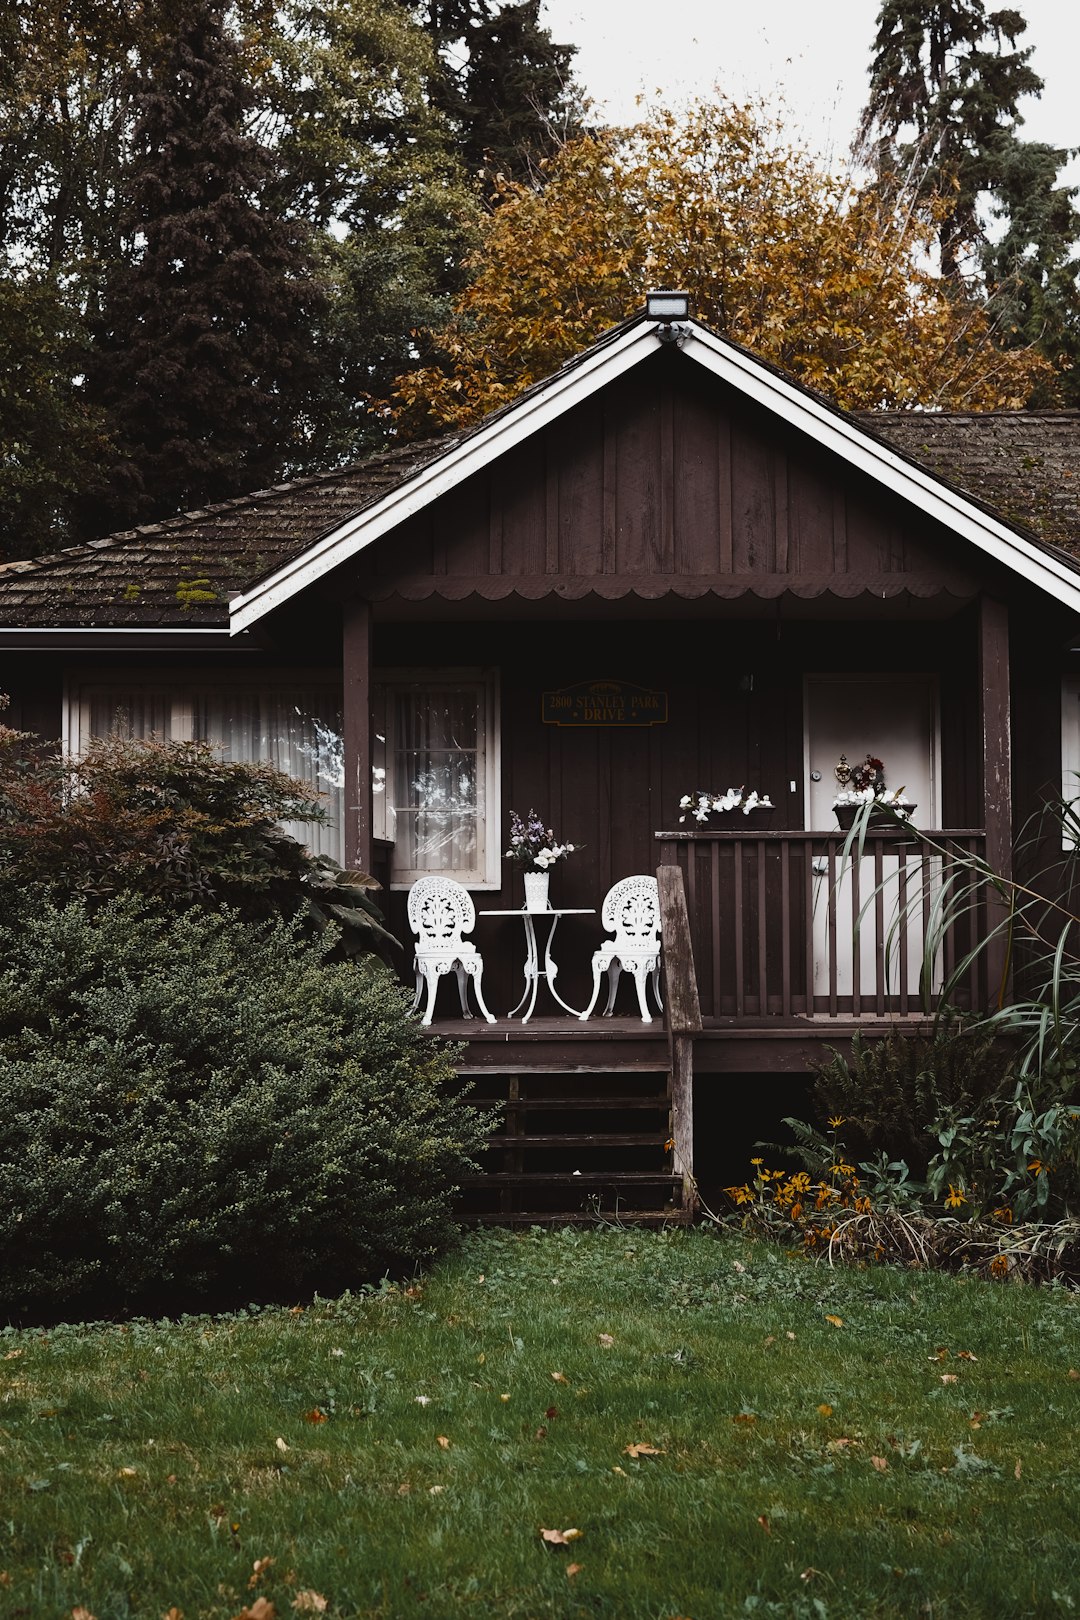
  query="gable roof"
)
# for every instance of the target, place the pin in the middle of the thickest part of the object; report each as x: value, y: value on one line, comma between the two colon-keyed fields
x: 1009, y: 482
x: 844, y: 435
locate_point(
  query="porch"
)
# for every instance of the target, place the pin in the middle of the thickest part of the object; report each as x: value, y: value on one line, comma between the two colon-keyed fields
x: 776, y: 947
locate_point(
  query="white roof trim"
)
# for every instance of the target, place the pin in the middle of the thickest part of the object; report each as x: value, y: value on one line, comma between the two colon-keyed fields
x: 576, y: 382
x: 584, y: 377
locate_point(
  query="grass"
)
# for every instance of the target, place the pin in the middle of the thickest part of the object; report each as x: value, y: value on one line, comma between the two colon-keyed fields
x: 827, y: 1444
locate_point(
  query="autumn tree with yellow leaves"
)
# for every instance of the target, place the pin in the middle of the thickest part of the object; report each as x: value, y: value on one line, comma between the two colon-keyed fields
x: 830, y: 281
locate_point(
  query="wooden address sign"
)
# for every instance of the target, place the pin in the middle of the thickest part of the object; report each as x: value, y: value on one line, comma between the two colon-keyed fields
x: 604, y: 703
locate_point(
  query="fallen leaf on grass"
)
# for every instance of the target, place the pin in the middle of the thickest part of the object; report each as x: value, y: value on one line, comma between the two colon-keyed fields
x: 1073, y: 1374
x: 315, y: 1416
x: 825, y: 1409
x: 504, y: 1397
x: 127, y: 1473
x: 838, y: 1445
x: 173, y: 1614
x: 1017, y: 1471
x: 541, y: 1433
x: 573, y: 1569
x: 436, y: 1490
x: 835, y: 1321
x: 259, y: 1569
x: 13, y: 1355
x: 261, y: 1609
x: 559, y: 1378
x: 948, y: 1378
x: 622, y: 1471
x: 640, y: 1449
x: 282, y: 1445
x: 606, y: 1342
x: 880, y: 1464
x: 81, y: 1614
x: 422, y: 1400
x: 444, y: 1442
x: 561, y: 1538
x: 744, y: 1417
x: 309, y: 1602
x: 965, y: 1355
x: 764, y: 1523
x: 789, y: 1334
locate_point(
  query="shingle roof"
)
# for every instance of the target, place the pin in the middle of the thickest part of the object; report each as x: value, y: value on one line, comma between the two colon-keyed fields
x: 1022, y: 466
x: 182, y: 573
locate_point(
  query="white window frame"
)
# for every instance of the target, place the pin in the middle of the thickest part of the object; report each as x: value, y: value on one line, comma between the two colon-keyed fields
x: 488, y: 875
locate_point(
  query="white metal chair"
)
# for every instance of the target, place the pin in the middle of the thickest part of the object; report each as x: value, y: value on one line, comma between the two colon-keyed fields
x: 440, y: 911
x: 631, y: 911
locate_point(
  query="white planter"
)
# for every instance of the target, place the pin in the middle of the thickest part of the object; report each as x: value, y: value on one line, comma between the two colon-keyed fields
x: 536, y: 891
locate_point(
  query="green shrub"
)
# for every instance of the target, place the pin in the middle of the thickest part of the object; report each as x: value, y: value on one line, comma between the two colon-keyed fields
x: 892, y: 1092
x: 199, y: 1111
x: 175, y: 823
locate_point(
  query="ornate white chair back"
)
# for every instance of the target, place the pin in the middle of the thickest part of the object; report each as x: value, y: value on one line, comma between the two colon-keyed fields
x: 631, y: 912
x: 440, y: 911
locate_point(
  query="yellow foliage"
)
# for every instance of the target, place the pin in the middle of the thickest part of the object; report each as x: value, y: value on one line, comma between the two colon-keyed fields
x: 831, y: 283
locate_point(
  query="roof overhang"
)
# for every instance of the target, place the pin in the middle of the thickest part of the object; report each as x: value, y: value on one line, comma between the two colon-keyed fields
x: 608, y: 360
x: 114, y: 638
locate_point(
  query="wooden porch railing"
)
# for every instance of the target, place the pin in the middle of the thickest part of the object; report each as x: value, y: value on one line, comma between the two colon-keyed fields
x: 783, y: 926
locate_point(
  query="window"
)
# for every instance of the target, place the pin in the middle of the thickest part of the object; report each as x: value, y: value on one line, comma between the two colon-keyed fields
x: 436, y: 774
x: 297, y: 728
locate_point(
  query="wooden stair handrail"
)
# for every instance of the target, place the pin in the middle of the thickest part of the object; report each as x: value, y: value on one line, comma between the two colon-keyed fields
x: 682, y: 1009
x: 682, y: 1020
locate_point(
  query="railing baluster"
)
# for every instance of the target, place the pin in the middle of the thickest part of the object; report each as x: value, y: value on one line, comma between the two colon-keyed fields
x: 786, y: 940
x: 762, y: 932
x: 740, y: 985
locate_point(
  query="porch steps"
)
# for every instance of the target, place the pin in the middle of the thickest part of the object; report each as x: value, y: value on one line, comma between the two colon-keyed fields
x: 575, y: 1144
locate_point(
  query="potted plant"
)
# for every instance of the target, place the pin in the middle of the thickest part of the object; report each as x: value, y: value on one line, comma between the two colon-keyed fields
x: 534, y: 848
x: 864, y: 784
x: 701, y: 805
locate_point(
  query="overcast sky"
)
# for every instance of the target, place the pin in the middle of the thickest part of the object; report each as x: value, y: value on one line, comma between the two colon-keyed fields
x: 817, y: 54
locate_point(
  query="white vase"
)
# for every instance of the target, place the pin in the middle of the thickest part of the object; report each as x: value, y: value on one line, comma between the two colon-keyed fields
x: 536, y: 891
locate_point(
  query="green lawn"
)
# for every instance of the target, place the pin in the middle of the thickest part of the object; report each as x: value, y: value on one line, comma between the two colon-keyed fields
x: 824, y: 1444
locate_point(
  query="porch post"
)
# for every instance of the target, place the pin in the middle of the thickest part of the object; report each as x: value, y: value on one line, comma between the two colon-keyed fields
x: 356, y: 731
x: 996, y: 759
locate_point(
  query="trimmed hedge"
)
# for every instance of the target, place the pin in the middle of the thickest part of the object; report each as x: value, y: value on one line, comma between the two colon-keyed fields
x: 198, y: 1112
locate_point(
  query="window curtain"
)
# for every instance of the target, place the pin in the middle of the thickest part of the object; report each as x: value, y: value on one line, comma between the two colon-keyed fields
x: 297, y: 731
x: 438, y: 781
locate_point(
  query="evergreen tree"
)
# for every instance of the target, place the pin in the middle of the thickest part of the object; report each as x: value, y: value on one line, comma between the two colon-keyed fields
x: 505, y: 85
x: 943, y: 118
x: 943, y: 106
x: 204, y: 353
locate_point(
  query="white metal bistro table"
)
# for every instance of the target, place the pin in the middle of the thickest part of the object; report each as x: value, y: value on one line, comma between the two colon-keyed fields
x: 533, y: 971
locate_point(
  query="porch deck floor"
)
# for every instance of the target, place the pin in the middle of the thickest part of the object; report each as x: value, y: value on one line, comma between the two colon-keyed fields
x: 724, y: 1046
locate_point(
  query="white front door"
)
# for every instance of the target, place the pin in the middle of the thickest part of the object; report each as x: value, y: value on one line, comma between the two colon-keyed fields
x: 894, y: 718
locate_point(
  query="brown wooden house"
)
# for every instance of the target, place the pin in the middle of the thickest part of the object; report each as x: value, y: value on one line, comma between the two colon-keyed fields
x: 667, y: 568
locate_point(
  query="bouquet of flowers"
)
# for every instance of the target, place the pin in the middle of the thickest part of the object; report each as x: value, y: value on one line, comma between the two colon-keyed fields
x: 701, y: 805
x: 865, y: 784
x: 533, y: 845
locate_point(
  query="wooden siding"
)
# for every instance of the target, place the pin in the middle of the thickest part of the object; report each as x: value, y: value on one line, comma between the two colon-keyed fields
x: 667, y: 482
